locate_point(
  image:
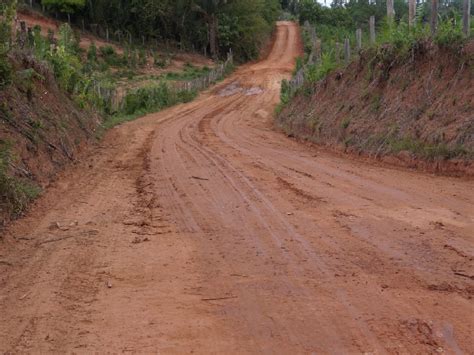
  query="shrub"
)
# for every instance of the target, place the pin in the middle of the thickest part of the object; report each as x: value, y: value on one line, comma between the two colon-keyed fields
x: 159, y: 62
x: 449, y: 35
x: 15, y: 193
x: 142, y: 58
x: 5, y: 71
x: 92, y: 53
x: 299, y: 65
x: 111, y: 57
x: 67, y: 68
x: 188, y: 73
x: 68, y: 39
x: 285, y: 92
x: 6, y: 16
x: 148, y: 98
x: 318, y: 71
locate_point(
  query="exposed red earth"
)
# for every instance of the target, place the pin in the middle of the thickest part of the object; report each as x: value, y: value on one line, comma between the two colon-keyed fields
x: 202, y: 229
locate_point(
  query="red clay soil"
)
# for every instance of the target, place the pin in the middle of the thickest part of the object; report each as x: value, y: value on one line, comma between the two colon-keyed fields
x: 43, y: 127
x: 415, y: 112
x: 201, y: 229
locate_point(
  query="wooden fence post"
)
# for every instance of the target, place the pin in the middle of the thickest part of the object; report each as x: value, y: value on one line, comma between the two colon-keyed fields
x: 312, y: 32
x: 390, y: 11
x: 372, y: 29
x: 359, y: 39
x: 434, y: 16
x: 318, y: 50
x: 22, y: 37
x: 347, y: 51
x: 466, y: 17
x: 338, y: 52
x: 411, y: 12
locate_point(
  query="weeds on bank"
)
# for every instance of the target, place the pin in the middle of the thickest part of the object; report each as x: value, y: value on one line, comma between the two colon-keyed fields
x: 16, y: 193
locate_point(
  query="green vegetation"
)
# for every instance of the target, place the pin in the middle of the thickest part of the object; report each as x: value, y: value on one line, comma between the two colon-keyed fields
x: 208, y: 26
x: 395, y: 42
x: 153, y: 98
x: 345, y: 123
x: 15, y: 193
x: 397, y: 45
x: 7, y: 14
x: 426, y: 151
x: 65, y: 6
x: 188, y: 73
x: 147, y: 99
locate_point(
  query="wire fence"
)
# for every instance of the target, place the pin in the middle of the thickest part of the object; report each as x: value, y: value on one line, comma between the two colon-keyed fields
x: 343, y: 51
x: 113, y: 98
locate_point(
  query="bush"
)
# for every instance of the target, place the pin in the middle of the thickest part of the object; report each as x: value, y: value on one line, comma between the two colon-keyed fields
x: 5, y: 71
x: 285, y: 92
x: 92, y: 53
x: 450, y: 35
x: 111, y: 57
x: 153, y: 98
x: 148, y: 98
x: 5, y: 67
x: 318, y: 71
x: 67, y: 68
x: 188, y: 73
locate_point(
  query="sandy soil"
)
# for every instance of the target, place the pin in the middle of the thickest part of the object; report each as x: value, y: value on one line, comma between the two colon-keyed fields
x: 201, y: 229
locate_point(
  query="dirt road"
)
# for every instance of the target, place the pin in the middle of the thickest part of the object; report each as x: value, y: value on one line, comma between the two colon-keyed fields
x: 201, y: 229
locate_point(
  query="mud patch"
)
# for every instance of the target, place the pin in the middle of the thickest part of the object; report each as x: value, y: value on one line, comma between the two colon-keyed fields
x: 253, y: 91
x: 231, y: 89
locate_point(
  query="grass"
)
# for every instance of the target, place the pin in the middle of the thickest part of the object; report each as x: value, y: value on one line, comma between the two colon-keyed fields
x: 427, y: 151
x: 189, y: 72
x: 147, y: 99
x: 345, y: 123
x: 15, y: 193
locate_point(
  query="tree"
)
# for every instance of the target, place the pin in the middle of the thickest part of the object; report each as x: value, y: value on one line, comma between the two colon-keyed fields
x: 65, y: 6
x: 216, y: 25
x: 209, y: 9
x: 7, y: 15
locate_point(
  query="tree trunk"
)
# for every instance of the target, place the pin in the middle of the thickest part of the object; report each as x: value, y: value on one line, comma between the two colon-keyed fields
x: 213, y: 36
x: 390, y: 11
x: 411, y: 12
x: 372, y: 29
x: 434, y: 16
x: 466, y: 26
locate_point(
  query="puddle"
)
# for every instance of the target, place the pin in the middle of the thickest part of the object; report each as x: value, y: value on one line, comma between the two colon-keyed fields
x: 231, y: 89
x: 253, y: 91
x: 234, y: 88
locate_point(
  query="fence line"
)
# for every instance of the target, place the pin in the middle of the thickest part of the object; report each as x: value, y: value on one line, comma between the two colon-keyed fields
x: 120, y: 37
x: 298, y: 79
x: 115, y: 98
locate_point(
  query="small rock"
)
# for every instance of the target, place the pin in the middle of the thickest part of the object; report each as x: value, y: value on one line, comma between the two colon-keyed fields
x: 109, y: 284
